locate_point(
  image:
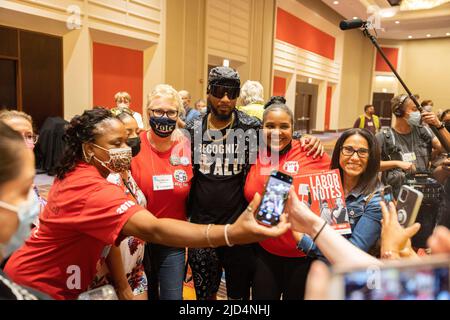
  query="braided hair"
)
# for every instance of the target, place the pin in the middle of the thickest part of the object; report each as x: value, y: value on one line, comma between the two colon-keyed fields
x: 81, y: 129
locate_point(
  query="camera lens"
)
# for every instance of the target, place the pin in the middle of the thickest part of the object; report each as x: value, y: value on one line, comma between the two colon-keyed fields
x: 402, y: 195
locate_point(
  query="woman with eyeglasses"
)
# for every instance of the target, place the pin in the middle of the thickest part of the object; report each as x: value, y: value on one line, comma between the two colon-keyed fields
x: 357, y: 156
x: 22, y: 123
x: 86, y: 214
x: 163, y: 171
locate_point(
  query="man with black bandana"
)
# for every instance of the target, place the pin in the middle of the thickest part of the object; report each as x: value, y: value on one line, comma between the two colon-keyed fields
x: 222, y: 157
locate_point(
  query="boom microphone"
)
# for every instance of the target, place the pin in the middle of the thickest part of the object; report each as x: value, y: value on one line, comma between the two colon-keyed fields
x: 351, y: 24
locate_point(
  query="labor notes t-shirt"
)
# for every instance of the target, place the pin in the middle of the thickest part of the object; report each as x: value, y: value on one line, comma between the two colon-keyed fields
x: 84, y: 216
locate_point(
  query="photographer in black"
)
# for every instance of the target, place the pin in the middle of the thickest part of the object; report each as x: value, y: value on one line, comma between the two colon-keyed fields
x: 406, y: 153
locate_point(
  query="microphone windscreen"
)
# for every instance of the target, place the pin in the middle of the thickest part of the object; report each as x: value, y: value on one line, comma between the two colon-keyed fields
x: 351, y: 24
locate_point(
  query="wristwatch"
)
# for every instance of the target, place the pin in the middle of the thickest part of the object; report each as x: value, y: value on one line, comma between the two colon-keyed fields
x: 441, y: 126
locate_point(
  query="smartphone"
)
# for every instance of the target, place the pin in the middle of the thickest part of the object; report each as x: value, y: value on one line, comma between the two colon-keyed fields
x: 387, y: 195
x: 102, y: 293
x: 274, y: 198
x: 408, y: 205
x: 424, y: 279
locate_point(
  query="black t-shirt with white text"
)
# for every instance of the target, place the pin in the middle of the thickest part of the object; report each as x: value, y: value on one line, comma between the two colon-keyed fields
x: 221, y: 161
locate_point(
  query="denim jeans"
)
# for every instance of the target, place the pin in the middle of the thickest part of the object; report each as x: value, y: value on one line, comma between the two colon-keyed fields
x: 166, y: 274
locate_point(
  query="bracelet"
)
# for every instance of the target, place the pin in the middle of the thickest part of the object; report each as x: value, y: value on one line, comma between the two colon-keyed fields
x: 321, y: 229
x: 226, y: 236
x: 207, y: 235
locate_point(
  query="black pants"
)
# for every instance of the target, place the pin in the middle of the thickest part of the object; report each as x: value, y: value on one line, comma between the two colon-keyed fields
x: 427, y: 217
x: 277, y: 276
x: 206, y: 265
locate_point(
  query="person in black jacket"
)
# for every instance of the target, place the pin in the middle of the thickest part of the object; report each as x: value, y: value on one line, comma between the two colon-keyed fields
x: 221, y: 159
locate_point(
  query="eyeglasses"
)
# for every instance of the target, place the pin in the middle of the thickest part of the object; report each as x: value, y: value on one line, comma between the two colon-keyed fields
x: 158, y: 113
x: 219, y: 91
x: 349, y: 152
x: 30, y: 138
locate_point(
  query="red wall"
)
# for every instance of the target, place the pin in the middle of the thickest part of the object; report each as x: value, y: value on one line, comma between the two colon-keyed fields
x: 328, y: 108
x: 117, y: 69
x: 299, y: 33
x: 279, y: 86
x: 392, y: 55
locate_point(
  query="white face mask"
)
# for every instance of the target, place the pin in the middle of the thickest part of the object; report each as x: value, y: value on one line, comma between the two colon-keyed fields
x: 428, y: 108
x: 27, y: 212
x: 123, y: 105
x: 414, y: 118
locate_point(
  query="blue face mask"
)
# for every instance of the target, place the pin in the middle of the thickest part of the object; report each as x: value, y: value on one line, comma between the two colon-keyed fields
x: 27, y: 213
x: 414, y: 118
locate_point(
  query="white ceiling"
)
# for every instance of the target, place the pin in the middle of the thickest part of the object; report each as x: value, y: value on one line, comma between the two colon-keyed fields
x: 418, y: 23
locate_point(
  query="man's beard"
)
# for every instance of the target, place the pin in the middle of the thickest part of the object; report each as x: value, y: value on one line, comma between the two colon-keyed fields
x: 220, y: 116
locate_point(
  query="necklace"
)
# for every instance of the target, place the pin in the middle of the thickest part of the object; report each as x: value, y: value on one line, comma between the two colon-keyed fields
x: 210, y: 126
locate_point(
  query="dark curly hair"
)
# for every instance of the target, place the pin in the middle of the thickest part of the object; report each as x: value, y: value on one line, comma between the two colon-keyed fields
x: 275, y: 100
x: 81, y: 129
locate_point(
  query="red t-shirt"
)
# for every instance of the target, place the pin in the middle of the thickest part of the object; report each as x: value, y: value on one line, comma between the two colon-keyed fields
x: 170, y: 172
x: 294, y: 163
x: 84, y: 216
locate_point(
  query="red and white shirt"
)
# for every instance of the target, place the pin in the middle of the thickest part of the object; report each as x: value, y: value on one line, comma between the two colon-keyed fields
x: 294, y: 163
x: 164, y: 177
x: 85, y: 213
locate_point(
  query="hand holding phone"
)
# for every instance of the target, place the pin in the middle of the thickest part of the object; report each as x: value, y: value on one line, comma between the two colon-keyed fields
x: 274, y: 199
x: 408, y: 205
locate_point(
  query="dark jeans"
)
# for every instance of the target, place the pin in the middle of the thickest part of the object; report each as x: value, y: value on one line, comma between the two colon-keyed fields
x: 164, y: 267
x: 277, y: 276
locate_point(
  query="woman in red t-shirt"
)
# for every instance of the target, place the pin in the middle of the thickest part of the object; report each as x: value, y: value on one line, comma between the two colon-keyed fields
x: 85, y: 214
x: 163, y: 171
x: 281, y: 268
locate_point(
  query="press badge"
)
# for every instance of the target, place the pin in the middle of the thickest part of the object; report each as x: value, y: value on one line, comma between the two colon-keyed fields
x: 163, y: 182
x: 409, y: 157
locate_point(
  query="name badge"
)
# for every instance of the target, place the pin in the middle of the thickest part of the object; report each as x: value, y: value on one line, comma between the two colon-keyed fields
x: 370, y: 124
x: 163, y: 182
x: 409, y: 157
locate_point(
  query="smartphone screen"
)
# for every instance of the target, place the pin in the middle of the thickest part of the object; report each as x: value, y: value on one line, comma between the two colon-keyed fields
x: 387, y: 194
x: 414, y: 283
x: 274, y: 199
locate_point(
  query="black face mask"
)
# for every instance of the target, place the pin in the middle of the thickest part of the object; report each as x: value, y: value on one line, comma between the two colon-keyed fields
x: 135, y: 145
x: 163, y: 127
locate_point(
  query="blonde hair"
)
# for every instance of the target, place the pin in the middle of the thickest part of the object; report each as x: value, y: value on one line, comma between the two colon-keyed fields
x: 251, y: 92
x: 122, y: 95
x: 11, y: 114
x: 166, y: 91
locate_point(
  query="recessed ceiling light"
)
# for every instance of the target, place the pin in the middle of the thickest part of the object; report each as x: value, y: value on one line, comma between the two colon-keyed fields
x: 397, y: 22
x: 335, y: 2
x: 354, y: 18
x: 409, y: 37
x: 447, y: 34
x: 428, y: 35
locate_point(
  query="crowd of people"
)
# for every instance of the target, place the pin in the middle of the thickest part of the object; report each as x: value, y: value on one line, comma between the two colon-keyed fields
x: 132, y: 207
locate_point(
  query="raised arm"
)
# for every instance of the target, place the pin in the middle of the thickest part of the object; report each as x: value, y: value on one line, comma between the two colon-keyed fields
x: 178, y: 233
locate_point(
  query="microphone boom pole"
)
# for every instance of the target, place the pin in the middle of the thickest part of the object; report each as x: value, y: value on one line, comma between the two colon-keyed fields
x: 411, y: 96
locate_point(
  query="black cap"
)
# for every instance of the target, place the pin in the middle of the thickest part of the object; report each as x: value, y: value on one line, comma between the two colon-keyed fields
x: 224, y: 76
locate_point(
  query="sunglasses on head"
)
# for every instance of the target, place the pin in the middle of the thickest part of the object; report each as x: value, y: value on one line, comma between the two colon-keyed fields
x: 219, y: 91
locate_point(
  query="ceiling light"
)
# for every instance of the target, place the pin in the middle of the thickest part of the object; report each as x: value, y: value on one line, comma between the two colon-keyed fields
x: 447, y: 34
x: 226, y: 62
x: 420, y: 4
x: 388, y: 13
x: 428, y: 35
x: 354, y: 18
x: 397, y: 22
x: 409, y: 37
x: 309, y: 80
x: 384, y: 90
x: 335, y: 2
